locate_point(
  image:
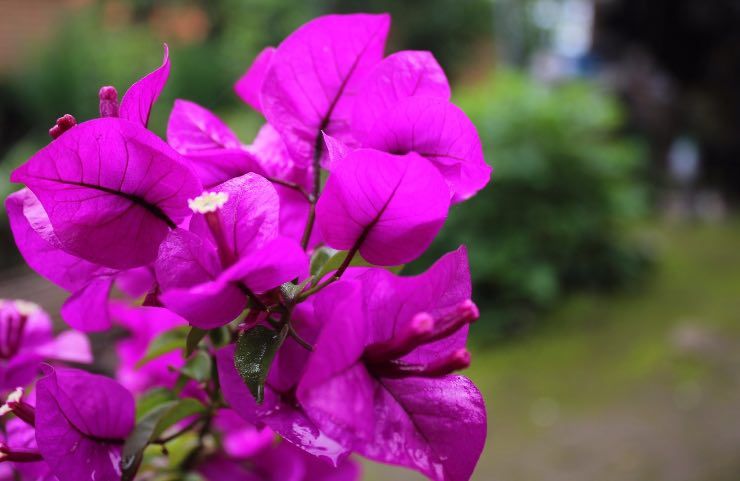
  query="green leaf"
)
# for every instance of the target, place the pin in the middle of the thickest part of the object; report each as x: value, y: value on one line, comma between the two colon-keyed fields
x: 337, y: 258
x: 133, y: 448
x: 166, y: 342
x: 179, y: 449
x: 152, y: 399
x: 150, y: 427
x: 255, y: 351
x: 182, y: 409
x: 220, y: 337
x: 320, y: 257
x: 198, y: 367
x: 194, y: 337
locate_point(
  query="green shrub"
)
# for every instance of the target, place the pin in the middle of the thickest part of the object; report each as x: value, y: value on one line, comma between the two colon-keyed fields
x: 563, y: 193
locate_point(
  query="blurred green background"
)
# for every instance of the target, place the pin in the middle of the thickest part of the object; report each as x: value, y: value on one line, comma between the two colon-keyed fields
x: 604, y: 252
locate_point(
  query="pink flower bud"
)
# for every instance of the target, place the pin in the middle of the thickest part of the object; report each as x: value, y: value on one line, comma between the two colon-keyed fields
x: 108, y: 101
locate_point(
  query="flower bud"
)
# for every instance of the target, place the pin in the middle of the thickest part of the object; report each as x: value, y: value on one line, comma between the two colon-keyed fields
x: 108, y: 101
x: 63, y: 124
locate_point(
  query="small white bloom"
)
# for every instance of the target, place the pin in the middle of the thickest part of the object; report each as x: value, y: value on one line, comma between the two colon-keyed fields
x: 208, y: 202
x: 26, y: 308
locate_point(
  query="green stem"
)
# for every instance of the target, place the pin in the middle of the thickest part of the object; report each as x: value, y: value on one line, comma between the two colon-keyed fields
x: 297, y: 338
x: 337, y: 275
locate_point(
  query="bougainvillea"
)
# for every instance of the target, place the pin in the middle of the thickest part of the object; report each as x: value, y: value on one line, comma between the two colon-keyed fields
x: 268, y: 332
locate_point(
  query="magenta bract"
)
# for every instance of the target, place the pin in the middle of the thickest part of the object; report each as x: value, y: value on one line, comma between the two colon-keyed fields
x: 202, y: 272
x: 400, y: 75
x: 314, y: 76
x: 392, y: 206
x: 388, y: 375
x: 137, y: 103
x: 249, y: 86
x: 143, y: 325
x: 82, y: 421
x: 26, y: 340
x: 112, y: 191
x: 359, y: 153
x: 440, y: 132
x: 212, y: 149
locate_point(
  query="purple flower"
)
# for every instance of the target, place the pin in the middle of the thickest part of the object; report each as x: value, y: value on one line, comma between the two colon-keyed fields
x: 82, y: 421
x: 26, y: 340
x: 20, y: 441
x: 217, y: 155
x: 389, y: 207
x: 232, y: 249
x: 88, y: 282
x: 379, y: 380
x: 280, y: 411
x: 248, y: 87
x: 112, y: 191
x: 137, y: 103
x: 439, y: 131
x: 404, y: 106
x: 400, y: 75
x: 40, y: 247
x: 241, y: 439
x: 281, y: 462
x: 276, y: 163
x: 211, y: 148
x: 314, y: 75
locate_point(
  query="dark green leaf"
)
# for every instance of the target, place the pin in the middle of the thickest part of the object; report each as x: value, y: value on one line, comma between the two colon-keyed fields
x: 198, y: 367
x: 150, y: 427
x: 194, y: 337
x: 220, y: 337
x: 255, y: 351
x: 133, y: 448
x: 166, y: 342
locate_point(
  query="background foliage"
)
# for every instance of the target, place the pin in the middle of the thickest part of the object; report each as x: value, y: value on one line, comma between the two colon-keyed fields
x: 565, y: 190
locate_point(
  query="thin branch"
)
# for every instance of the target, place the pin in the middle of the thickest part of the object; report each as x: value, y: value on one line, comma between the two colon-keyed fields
x: 309, y: 225
x: 302, y: 342
x: 317, y: 148
x: 339, y: 272
x: 253, y: 297
x: 292, y: 185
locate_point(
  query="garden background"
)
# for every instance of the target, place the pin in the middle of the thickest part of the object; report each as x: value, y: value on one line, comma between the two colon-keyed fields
x: 605, y: 252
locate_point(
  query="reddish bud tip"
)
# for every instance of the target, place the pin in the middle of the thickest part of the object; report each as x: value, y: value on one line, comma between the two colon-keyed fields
x: 108, y: 92
x: 462, y: 358
x: 422, y: 323
x: 468, y: 310
x: 63, y: 124
x: 108, y: 96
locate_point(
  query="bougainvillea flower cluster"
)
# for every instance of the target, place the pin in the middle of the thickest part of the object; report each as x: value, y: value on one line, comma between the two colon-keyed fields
x: 263, y: 330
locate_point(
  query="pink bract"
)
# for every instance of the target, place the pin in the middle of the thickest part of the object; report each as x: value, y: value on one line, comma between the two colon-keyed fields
x: 112, y: 191
x: 390, y: 206
x: 90, y: 412
x: 314, y: 76
x: 137, y: 103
